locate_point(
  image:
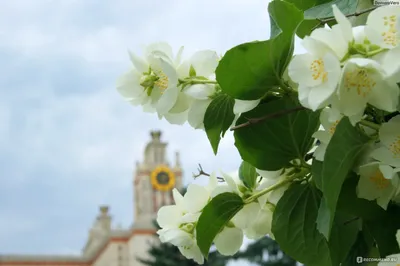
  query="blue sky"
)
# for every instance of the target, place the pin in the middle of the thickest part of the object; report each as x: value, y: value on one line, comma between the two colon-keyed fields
x: 68, y: 142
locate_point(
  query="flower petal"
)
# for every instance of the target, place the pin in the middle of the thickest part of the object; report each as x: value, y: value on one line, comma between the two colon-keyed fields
x: 389, y: 132
x: 231, y: 182
x: 381, y: 26
x: 269, y: 174
x: 169, y: 216
x: 299, y: 70
x: 315, y: 47
x: 229, y: 241
x: 177, y: 237
x: 195, y: 198
x: 194, y: 253
x: 178, y: 58
x: 220, y: 189
x: 356, y: 84
x: 344, y: 24
x: 167, y: 100
x: 200, y: 91
x: 246, y: 215
x: 204, y: 62
x: 389, y: 62
x: 384, y: 155
x: 197, y: 112
x: 138, y: 63
x: 261, y: 225
x: 128, y: 85
x: 158, y: 47
x: 332, y: 40
x: 178, y: 198
x: 242, y: 106
x: 212, y: 182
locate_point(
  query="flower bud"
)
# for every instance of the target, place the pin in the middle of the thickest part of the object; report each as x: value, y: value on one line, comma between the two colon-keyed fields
x: 148, y: 80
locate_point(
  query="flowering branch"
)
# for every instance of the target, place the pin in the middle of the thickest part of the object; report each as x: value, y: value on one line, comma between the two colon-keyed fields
x: 201, y: 172
x: 355, y: 14
x: 251, y: 121
x: 282, y: 183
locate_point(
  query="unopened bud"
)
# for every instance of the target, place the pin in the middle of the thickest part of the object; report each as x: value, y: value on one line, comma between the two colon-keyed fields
x: 147, y: 81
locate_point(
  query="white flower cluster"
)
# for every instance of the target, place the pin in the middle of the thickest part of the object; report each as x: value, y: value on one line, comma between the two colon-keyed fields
x: 178, y: 91
x: 178, y: 222
x: 349, y: 68
x: 345, y: 70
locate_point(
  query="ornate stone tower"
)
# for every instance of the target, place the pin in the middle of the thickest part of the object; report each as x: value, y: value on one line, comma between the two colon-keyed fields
x: 154, y: 180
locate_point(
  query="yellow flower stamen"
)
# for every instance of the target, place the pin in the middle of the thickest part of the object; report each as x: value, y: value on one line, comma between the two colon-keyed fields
x: 395, y: 147
x: 162, y: 82
x: 390, y: 36
x: 318, y: 70
x: 379, y: 180
x: 359, y: 80
x: 333, y: 127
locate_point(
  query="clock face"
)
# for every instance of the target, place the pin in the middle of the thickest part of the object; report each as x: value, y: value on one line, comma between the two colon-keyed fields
x: 163, y: 179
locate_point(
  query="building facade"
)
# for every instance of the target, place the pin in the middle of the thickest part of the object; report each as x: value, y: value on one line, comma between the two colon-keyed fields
x: 153, y: 181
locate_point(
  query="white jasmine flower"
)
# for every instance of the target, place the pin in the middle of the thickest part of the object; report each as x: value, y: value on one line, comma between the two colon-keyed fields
x: 364, y: 81
x: 377, y: 182
x: 317, y: 73
x: 389, y: 135
x: 381, y: 27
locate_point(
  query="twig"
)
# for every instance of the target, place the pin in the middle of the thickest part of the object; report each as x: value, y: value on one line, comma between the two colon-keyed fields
x: 355, y: 14
x: 201, y: 172
x: 267, y: 117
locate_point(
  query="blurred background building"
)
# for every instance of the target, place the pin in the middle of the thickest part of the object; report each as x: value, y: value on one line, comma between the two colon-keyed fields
x: 152, y: 182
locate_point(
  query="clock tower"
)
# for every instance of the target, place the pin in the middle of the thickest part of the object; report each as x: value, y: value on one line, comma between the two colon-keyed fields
x: 154, y: 180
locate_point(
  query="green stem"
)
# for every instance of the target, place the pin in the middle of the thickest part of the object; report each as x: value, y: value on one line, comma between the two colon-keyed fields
x: 370, y: 124
x: 375, y: 52
x: 266, y: 190
x: 200, y: 81
x: 282, y: 183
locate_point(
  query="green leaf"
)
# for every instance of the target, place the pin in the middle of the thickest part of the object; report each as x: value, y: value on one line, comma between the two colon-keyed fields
x: 249, y: 70
x: 294, y: 228
x: 279, y: 11
x: 248, y: 174
x: 325, y: 10
x: 344, y: 235
x: 214, y: 217
x: 384, y: 231
x: 273, y: 143
x: 316, y: 172
x: 361, y: 19
x: 218, y: 118
x: 343, y: 150
x: 349, y: 202
x: 360, y: 248
x: 307, y: 25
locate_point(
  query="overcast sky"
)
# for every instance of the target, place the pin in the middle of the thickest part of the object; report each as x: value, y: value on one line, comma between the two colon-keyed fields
x: 68, y: 141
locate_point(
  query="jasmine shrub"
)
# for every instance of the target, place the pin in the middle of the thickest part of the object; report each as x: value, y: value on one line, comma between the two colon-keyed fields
x: 319, y: 134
